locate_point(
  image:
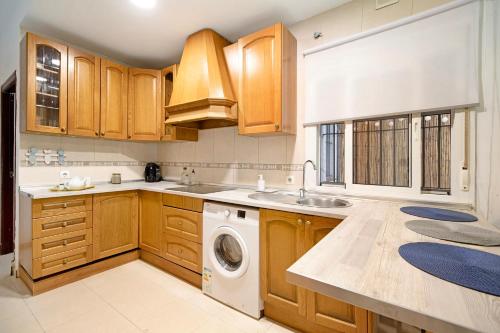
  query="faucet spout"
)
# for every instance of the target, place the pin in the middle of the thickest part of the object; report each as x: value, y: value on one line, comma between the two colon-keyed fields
x: 302, y: 190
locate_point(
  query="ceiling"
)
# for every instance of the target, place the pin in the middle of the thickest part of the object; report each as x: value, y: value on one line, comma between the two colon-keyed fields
x: 155, y: 37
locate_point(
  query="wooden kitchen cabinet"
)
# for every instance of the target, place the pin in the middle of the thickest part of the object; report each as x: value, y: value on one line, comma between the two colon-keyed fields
x: 114, y: 83
x: 323, y: 310
x: 267, y: 89
x: 44, y: 66
x: 115, y: 219
x: 172, y: 132
x: 84, y: 109
x: 150, y: 221
x: 144, y: 104
x: 281, y: 244
x: 284, y: 238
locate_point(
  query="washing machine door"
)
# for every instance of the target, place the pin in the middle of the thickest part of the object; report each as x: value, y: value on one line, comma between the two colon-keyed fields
x: 228, y: 253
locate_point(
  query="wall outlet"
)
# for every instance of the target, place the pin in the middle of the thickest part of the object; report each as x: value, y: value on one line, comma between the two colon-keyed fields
x: 290, y: 180
x: 64, y: 174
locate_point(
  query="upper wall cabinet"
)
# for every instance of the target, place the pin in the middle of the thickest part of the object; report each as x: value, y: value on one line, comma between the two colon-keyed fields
x: 44, y: 86
x: 144, y: 104
x: 114, y: 83
x: 267, y: 82
x: 84, y: 71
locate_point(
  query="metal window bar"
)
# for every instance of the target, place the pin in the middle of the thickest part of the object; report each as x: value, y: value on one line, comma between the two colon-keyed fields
x: 332, y: 154
x: 436, y: 177
x: 364, y: 163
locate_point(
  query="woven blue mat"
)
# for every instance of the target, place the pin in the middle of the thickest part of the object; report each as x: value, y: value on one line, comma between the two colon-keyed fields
x: 438, y: 214
x: 469, y: 268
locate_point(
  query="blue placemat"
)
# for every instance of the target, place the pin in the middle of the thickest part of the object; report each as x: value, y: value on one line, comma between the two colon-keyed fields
x: 472, y: 269
x: 438, y: 214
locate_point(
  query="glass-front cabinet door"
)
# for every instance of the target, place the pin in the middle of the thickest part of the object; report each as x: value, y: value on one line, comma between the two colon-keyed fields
x: 46, y: 104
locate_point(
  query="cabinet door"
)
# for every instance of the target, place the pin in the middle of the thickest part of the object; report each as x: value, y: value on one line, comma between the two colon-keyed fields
x: 114, y: 82
x: 323, y: 310
x: 150, y: 209
x: 115, y: 219
x: 144, y: 104
x: 84, y: 71
x: 260, y: 81
x: 281, y: 244
x: 46, y: 85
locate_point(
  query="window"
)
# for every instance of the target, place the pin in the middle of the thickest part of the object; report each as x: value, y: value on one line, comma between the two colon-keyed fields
x: 381, y: 151
x: 332, y: 154
x: 436, y: 151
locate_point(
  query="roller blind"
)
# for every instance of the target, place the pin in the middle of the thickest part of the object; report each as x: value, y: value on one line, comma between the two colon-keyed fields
x: 427, y: 62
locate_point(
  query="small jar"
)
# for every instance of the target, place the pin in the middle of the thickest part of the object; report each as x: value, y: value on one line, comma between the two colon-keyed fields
x: 116, y: 178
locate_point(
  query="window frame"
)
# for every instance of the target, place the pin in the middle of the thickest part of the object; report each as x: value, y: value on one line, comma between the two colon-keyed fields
x: 343, y: 133
x: 426, y: 190
x: 409, y: 116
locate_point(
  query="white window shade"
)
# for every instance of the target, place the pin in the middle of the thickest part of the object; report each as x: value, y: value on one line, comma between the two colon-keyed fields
x: 423, y: 63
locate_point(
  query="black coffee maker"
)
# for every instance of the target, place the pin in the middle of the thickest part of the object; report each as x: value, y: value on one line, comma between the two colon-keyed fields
x: 152, y: 173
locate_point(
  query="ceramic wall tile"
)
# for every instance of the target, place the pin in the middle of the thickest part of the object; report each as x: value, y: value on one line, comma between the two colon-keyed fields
x: 107, y: 150
x: 224, y: 145
x: 246, y: 149
x: 246, y: 176
x: 205, y: 146
x: 78, y: 149
x: 422, y: 5
x: 272, y: 149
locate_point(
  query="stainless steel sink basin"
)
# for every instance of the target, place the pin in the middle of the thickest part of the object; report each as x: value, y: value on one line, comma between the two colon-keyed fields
x: 323, y: 202
x: 311, y: 200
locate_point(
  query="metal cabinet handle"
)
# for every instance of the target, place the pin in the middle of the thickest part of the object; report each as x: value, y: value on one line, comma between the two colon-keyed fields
x: 277, y: 126
x: 96, y: 133
x: 63, y: 129
x: 65, y: 205
x: 299, y: 222
x: 65, y: 224
x: 65, y: 242
x: 308, y: 222
x: 179, y: 223
x: 65, y: 261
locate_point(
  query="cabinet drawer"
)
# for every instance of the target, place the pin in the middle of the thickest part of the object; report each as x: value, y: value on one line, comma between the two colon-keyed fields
x: 50, y: 226
x: 182, y: 252
x: 61, y: 243
x: 182, y: 202
x: 61, y: 261
x: 64, y: 205
x: 183, y: 223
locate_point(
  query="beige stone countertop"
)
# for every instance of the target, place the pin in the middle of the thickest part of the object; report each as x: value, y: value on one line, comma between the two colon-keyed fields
x: 358, y: 262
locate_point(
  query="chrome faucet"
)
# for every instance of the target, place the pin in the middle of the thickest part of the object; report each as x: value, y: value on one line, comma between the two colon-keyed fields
x: 302, y: 190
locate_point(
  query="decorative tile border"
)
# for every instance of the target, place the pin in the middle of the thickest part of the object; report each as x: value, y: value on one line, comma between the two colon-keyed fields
x: 244, y: 166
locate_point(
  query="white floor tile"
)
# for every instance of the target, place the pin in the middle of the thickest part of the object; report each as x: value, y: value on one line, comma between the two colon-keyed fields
x: 135, y: 297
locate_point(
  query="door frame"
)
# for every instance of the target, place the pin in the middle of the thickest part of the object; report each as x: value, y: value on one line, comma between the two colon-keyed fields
x: 8, y: 178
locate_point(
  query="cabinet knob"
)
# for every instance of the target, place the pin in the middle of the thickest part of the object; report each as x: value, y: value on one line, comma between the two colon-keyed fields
x: 299, y: 222
x: 130, y: 136
x: 96, y: 133
x: 308, y: 222
x: 179, y: 223
x: 65, y: 224
x: 277, y: 126
x: 65, y: 205
x: 102, y: 133
x: 63, y: 129
x: 179, y: 251
x: 65, y: 261
x: 65, y: 242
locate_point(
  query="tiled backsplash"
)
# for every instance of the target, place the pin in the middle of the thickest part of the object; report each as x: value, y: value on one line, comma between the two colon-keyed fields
x: 219, y: 156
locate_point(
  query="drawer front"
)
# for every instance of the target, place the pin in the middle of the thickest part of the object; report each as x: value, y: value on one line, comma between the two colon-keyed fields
x: 59, y: 262
x: 62, y: 205
x: 182, y: 202
x: 55, y: 225
x: 182, y: 252
x: 183, y: 223
x: 61, y: 243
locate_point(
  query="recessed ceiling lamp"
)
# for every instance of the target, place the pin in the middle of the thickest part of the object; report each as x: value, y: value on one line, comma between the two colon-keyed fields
x: 144, y: 4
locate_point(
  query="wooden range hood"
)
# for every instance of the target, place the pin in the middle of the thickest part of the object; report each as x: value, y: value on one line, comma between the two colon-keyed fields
x: 202, y: 95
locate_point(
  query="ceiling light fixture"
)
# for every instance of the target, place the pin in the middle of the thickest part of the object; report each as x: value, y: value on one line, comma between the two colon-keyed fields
x: 144, y: 4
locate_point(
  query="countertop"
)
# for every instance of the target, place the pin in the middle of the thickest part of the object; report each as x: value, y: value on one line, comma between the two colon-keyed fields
x: 358, y: 262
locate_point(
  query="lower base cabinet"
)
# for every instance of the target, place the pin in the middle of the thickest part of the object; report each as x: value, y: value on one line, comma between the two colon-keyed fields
x: 284, y: 238
x: 116, y: 223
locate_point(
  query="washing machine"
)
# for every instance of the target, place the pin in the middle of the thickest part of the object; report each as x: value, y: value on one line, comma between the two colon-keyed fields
x: 231, y: 256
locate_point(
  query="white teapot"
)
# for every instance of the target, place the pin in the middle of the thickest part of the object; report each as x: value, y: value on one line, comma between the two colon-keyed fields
x: 75, y: 183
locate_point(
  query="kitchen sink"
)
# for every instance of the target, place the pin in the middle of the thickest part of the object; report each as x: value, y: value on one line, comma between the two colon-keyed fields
x: 292, y: 198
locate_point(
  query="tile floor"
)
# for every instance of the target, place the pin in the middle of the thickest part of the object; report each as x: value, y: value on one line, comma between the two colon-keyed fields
x: 135, y: 297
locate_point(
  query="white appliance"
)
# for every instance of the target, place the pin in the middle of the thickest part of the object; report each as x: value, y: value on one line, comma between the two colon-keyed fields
x: 231, y: 256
